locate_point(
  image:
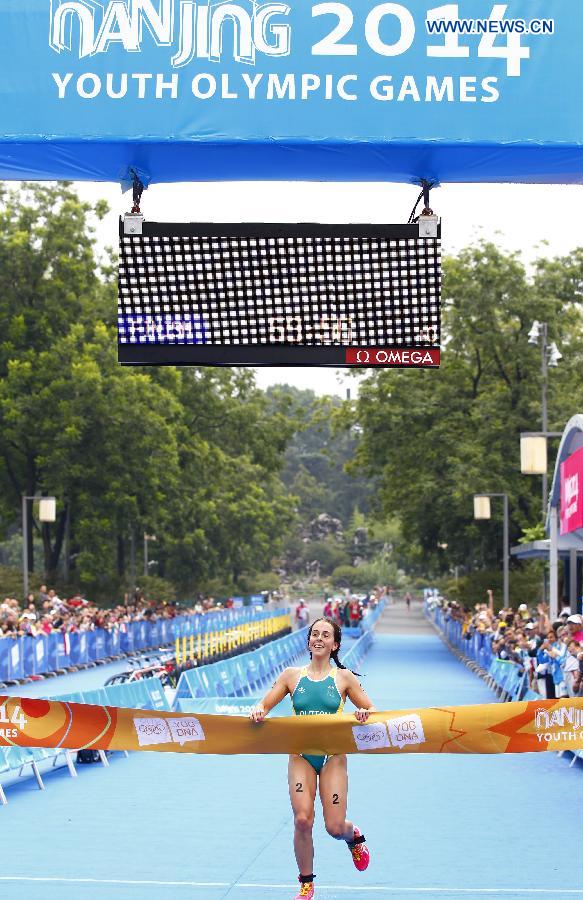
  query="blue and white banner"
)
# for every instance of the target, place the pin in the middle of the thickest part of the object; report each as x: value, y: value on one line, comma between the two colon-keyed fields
x: 222, y: 89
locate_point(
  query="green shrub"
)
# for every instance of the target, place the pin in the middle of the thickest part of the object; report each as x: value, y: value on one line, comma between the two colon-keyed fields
x: 329, y: 554
x: 11, y: 582
x: 343, y: 576
x: 221, y: 588
x: 525, y: 586
x: 262, y: 581
x: 155, y: 588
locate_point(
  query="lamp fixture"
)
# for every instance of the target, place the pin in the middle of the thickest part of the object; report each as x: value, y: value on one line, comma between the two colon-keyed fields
x: 534, y: 333
x: 554, y: 355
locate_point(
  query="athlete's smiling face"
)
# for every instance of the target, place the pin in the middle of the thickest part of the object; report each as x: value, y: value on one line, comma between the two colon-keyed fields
x: 322, y: 642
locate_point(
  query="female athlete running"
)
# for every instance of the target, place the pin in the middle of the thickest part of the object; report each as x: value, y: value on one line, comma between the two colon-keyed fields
x: 319, y: 688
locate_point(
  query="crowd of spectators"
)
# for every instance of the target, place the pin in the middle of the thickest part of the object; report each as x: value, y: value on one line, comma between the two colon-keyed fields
x: 551, y: 652
x: 47, y: 613
x: 346, y: 611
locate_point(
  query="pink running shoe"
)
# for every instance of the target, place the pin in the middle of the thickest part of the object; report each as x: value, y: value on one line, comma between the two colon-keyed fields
x: 359, y: 850
x: 306, y: 890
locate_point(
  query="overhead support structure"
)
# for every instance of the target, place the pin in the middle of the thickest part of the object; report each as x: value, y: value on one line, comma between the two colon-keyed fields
x: 182, y: 91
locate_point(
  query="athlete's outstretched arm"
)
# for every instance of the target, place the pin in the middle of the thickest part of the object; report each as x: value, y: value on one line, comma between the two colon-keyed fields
x: 363, y: 703
x: 274, y: 696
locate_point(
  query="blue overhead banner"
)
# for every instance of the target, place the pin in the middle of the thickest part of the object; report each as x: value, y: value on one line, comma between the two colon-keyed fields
x: 182, y: 90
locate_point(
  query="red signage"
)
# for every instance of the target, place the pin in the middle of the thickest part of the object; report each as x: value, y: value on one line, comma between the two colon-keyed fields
x: 572, y: 492
x: 414, y: 357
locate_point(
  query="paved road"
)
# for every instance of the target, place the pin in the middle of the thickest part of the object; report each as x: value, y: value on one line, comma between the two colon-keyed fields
x: 397, y: 619
x: 180, y: 826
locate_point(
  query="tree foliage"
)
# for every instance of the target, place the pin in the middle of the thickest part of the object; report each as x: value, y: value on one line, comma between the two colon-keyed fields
x: 190, y: 455
x: 220, y: 472
x: 317, y: 456
x: 434, y: 438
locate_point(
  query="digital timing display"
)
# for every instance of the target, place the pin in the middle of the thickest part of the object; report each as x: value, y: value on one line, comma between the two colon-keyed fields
x: 335, y: 295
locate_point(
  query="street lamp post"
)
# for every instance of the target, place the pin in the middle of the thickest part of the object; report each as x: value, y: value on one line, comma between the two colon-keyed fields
x: 47, y: 513
x: 544, y: 407
x: 533, y: 461
x: 550, y: 356
x: 533, y: 445
x: 482, y: 511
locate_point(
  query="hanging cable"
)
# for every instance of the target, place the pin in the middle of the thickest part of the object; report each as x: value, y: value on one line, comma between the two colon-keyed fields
x: 424, y: 195
x: 411, y: 219
x: 138, y: 190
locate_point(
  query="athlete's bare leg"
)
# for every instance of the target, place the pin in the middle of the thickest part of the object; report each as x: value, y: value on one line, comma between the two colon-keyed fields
x: 302, y: 792
x: 334, y: 797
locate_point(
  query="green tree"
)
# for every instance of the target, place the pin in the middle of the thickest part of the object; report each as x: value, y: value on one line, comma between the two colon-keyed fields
x: 434, y: 438
x: 191, y: 455
x: 100, y: 437
x: 232, y: 512
x: 316, y: 459
x: 49, y: 279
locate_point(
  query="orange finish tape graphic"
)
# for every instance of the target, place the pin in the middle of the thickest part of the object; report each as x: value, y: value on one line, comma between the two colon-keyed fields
x: 522, y: 727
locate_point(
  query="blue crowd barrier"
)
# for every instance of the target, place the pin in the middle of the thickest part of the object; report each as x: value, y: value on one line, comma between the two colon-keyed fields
x: 40, y: 653
x: 371, y: 617
x: 144, y: 693
x: 52, y: 652
x: 126, y: 640
x: 531, y: 695
x: 27, y: 649
x: 4, y: 659
x: 367, y: 623
x: 352, y: 631
x: 16, y: 757
x: 508, y: 677
x: 155, y: 633
x: 239, y: 678
x: 63, y: 654
x: 36, y: 655
x: 91, y: 646
x: 147, y: 693
x: 237, y: 672
x: 110, y: 643
x: 357, y: 652
x: 78, y: 651
x: 229, y: 687
x: 158, y: 698
x: 16, y: 661
x: 234, y: 674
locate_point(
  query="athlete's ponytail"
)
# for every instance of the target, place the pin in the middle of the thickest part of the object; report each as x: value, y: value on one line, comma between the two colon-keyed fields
x: 334, y: 656
x: 337, y: 639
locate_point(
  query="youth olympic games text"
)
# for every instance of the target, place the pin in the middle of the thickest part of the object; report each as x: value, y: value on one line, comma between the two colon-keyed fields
x: 246, y: 32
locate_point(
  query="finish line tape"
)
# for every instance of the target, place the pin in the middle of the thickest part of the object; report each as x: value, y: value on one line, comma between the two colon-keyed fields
x: 522, y: 727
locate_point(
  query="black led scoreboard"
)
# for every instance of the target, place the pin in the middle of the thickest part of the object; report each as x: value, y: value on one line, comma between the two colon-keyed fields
x: 276, y: 295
